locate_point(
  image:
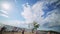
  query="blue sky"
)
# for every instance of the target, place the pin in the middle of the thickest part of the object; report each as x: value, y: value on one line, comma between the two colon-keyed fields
x: 23, y: 12
x: 13, y: 13
x: 17, y: 8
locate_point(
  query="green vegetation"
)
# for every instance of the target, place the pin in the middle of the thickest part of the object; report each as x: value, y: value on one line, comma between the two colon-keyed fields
x: 35, y: 25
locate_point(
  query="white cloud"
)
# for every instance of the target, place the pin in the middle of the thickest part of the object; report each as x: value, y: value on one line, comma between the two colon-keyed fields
x: 15, y: 23
x: 27, y: 13
x: 4, y: 15
x: 12, y: 22
x: 5, y: 12
x: 54, y: 18
x: 35, y: 12
x: 38, y: 12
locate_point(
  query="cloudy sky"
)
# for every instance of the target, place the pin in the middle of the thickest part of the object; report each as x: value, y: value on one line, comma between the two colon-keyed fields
x: 22, y: 12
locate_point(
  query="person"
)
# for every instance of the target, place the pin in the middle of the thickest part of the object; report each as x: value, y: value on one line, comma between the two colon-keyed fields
x: 53, y: 32
x: 23, y: 31
x: 2, y: 29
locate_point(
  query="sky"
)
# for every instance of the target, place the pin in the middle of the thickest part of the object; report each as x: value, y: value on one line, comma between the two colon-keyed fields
x: 20, y: 13
x: 11, y: 12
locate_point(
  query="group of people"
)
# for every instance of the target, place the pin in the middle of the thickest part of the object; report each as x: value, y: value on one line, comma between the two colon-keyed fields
x: 37, y: 32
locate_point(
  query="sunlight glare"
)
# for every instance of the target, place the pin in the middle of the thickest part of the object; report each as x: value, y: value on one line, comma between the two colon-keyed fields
x: 6, y: 6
